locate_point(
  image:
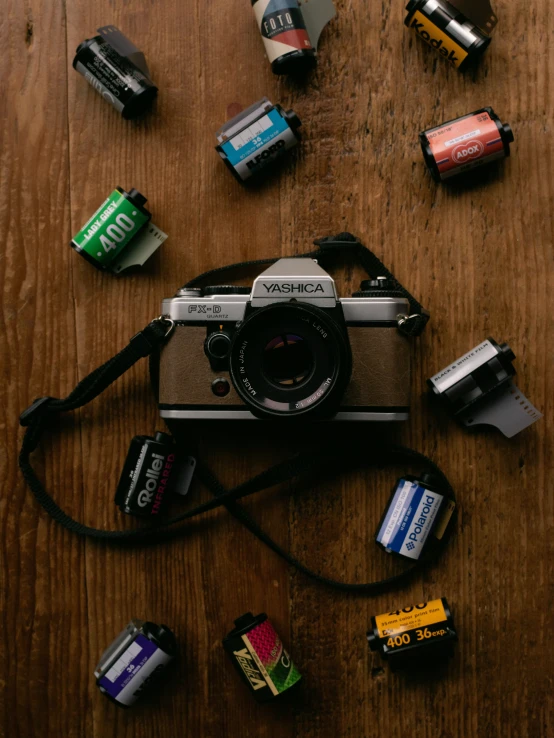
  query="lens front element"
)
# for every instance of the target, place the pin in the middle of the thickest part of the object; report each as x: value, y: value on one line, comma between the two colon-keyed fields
x: 287, y: 360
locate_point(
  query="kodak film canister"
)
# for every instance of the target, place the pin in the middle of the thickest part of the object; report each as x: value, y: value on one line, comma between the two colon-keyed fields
x: 285, y: 36
x: 447, y: 30
x: 254, y: 139
x: 116, y: 222
x: 465, y: 143
x: 416, y: 517
x: 415, y: 636
x: 134, y: 661
x: 115, y: 77
x: 258, y: 655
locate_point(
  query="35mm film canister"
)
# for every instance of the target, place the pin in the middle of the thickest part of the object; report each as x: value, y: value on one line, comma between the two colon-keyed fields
x: 115, y: 76
x: 478, y: 389
x: 255, y: 138
x: 135, y: 659
x: 416, y: 517
x: 414, y: 636
x: 285, y: 36
x: 437, y: 22
x: 258, y: 655
x: 111, y: 228
x: 465, y: 143
x: 146, y: 480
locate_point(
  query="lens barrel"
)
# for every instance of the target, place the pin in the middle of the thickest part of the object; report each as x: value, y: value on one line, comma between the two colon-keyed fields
x: 291, y: 359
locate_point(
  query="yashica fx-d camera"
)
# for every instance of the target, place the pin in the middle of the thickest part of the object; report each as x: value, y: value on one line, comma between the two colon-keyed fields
x: 287, y: 348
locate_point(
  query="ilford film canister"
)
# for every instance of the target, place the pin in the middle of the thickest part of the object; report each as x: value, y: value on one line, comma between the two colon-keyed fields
x: 255, y: 138
x: 285, y: 36
x: 112, y: 227
x: 478, y: 389
x: 115, y: 76
x: 258, y: 655
x: 416, y: 517
x: 414, y: 637
x: 465, y: 143
x: 146, y: 480
x: 447, y: 30
x: 135, y: 659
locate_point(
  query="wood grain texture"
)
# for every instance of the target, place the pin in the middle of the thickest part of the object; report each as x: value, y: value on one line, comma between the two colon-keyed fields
x: 479, y: 257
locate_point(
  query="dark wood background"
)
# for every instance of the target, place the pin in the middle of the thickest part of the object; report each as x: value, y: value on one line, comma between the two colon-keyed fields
x: 480, y: 258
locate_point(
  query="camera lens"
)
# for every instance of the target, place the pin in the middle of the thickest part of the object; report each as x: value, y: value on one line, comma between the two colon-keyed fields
x: 291, y: 358
x: 287, y: 360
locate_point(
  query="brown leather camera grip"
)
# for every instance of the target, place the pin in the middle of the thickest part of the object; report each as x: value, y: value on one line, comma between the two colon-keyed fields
x: 380, y: 376
x: 380, y: 368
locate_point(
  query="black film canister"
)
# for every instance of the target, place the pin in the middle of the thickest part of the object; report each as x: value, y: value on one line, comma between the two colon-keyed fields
x: 146, y: 481
x: 115, y: 77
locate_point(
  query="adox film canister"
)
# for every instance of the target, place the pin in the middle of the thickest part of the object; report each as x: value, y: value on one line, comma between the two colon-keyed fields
x: 465, y: 143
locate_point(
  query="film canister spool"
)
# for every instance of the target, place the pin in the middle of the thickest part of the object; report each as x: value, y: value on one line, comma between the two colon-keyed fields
x: 117, y: 70
x: 135, y: 660
x: 146, y: 480
x: 414, y: 636
x: 256, y: 137
x: 119, y: 234
x: 416, y: 517
x: 259, y: 657
x: 456, y: 37
x: 465, y: 143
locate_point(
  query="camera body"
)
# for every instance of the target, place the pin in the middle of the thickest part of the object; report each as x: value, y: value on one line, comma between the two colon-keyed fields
x: 288, y: 347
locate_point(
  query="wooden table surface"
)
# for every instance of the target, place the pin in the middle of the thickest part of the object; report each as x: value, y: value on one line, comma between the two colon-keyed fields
x: 479, y: 257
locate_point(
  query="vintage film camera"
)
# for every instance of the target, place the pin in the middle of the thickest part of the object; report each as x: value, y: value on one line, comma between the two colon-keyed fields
x: 287, y: 348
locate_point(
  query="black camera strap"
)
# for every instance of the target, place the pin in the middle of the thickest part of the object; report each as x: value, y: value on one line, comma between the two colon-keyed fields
x: 39, y: 416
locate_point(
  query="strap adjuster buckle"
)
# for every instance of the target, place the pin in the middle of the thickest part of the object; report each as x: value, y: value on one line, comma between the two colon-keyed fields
x: 40, y: 405
x: 346, y: 240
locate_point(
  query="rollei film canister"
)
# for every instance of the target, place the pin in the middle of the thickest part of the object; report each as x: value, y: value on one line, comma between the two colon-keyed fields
x: 290, y: 31
x: 116, y: 69
x: 415, y: 518
x: 258, y: 655
x: 458, y: 30
x: 256, y: 137
x: 146, y: 480
x: 135, y: 659
x: 414, y: 637
x: 119, y: 234
x: 465, y: 143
